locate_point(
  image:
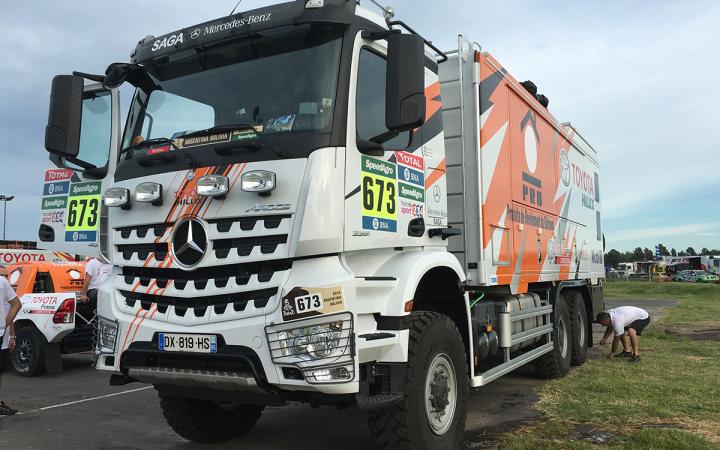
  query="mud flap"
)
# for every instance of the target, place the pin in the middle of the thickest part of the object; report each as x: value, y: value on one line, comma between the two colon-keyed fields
x: 53, y: 360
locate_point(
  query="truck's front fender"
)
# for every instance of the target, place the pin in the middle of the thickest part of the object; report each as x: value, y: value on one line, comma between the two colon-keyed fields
x: 409, y: 268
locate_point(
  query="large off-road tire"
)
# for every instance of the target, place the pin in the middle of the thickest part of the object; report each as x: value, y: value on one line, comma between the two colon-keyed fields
x: 579, y: 325
x: 28, y: 357
x: 432, y: 413
x: 206, y: 421
x: 556, y: 364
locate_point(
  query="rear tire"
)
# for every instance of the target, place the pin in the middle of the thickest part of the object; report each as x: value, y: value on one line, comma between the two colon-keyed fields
x: 579, y: 321
x: 28, y: 357
x: 431, y: 415
x: 556, y: 364
x: 206, y: 421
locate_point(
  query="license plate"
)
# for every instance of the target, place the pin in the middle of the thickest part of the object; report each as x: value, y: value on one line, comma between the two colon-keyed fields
x: 197, y: 343
x: 307, y: 303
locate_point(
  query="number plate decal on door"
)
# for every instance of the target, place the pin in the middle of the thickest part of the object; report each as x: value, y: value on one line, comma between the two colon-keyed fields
x: 83, y: 211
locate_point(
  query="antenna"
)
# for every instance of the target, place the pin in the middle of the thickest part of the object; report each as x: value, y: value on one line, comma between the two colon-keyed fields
x: 233, y: 10
x: 388, y: 12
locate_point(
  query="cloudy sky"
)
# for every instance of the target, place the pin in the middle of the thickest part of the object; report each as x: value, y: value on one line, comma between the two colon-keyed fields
x: 638, y: 79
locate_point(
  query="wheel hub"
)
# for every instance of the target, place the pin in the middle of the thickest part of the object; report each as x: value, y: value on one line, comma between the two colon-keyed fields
x: 439, y: 390
x: 24, y: 351
x: 440, y: 394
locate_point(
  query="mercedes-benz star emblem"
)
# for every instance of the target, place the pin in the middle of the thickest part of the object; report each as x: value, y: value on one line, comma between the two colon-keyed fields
x: 189, y: 242
x: 195, y: 33
x: 436, y: 194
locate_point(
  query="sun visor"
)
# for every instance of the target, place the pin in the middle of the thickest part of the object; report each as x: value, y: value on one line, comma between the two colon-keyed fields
x: 284, y: 14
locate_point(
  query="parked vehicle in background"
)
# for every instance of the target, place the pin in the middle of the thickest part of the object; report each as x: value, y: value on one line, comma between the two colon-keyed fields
x: 51, y: 322
x: 693, y: 276
x: 312, y: 203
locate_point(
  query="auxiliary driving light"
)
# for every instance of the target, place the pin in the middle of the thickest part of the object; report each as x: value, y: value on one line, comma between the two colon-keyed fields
x: 117, y: 197
x: 149, y: 192
x: 258, y: 181
x: 213, y: 185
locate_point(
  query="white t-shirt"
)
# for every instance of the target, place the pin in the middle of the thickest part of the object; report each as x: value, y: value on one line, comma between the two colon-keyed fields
x: 99, y: 273
x: 6, y: 295
x: 624, y: 316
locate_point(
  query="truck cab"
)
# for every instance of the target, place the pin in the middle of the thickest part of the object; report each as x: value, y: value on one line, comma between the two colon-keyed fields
x: 277, y: 213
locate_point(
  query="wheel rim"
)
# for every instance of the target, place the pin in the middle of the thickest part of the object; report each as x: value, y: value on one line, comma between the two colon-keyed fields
x: 581, y: 331
x: 440, y: 393
x: 563, y: 337
x: 23, y: 353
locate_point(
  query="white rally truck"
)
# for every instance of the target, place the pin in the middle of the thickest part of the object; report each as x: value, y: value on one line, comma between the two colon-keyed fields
x: 310, y: 202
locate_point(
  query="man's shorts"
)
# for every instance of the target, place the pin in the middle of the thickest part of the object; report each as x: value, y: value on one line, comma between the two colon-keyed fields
x: 639, y: 325
x: 4, y: 360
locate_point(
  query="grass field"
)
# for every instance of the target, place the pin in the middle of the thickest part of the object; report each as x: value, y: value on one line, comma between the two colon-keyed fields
x: 671, y: 400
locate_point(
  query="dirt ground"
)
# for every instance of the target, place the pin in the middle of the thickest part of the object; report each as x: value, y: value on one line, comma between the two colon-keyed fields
x: 79, y: 409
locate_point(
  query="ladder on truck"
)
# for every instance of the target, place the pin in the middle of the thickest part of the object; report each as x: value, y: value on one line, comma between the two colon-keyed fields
x: 460, y: 91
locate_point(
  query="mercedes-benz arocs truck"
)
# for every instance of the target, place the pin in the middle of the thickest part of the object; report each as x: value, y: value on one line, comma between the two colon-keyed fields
x: 310, y: 202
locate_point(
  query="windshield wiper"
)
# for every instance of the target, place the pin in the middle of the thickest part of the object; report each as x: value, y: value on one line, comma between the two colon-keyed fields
x: 161, y: 141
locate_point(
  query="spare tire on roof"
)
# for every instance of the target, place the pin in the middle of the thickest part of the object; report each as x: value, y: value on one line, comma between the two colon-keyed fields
x: 530, y: 87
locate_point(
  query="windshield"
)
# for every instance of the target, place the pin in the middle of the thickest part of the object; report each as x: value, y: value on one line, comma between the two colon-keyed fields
x: 274, y: 88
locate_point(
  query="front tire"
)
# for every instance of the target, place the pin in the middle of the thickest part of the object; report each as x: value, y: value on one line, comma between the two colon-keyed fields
x: 206, y: 421
x: 556, y: 364
x: 432, y: 413
x: 28, y: 357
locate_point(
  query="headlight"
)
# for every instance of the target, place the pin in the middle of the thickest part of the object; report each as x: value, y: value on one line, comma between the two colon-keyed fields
x: 213, y: 185
x: 107, y: 335
x: 321, y: 347
x: 316, y: 342
x: 149, y: 193
x: 117, y: 197
x: 259, y: 181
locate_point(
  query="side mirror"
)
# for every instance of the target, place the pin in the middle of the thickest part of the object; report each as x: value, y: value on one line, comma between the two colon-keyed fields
x: 405, y: 101
x: 62, y: 133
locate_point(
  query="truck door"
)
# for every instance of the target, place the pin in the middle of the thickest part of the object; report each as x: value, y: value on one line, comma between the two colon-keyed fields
x: 385, y: 191
x: 71, y: 208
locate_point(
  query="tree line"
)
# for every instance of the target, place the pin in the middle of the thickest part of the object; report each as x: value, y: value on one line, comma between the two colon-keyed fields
x: 614, y: 257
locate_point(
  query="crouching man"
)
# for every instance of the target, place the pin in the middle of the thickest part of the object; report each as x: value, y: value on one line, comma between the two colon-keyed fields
x: 627, y: 322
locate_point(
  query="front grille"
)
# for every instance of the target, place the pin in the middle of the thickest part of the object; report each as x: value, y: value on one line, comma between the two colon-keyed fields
x: 199, y: 278
x: 246, y: 262
x: 244, y: 246
x: 142, y: 230
x: 199, y: 305
x: 143, y: 251
x: 249, y: 223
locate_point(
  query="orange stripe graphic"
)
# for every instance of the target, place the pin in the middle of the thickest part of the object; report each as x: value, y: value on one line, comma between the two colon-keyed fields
x: 435, y: 175
x: 130, y: 329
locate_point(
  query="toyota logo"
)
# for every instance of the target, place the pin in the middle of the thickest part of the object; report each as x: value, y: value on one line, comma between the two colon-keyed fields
x: 189, y: 243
